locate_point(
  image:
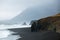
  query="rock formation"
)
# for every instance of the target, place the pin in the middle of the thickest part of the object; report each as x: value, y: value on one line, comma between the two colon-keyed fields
x: 51, y: 23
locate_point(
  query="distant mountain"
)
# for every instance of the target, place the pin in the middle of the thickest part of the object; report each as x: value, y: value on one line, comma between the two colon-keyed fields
x: 33, y: 13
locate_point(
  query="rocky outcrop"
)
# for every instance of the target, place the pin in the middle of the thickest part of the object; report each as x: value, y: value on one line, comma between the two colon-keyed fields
x: 49, y: 23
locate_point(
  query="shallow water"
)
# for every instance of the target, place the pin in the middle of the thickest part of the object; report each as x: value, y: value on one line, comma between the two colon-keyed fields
x: 7, y: 35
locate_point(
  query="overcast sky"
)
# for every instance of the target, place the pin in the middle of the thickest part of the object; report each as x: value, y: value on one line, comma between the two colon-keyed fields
x: 11, y: 8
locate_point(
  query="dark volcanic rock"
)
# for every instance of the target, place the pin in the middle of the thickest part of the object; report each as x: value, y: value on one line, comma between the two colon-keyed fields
x: 49, y: 23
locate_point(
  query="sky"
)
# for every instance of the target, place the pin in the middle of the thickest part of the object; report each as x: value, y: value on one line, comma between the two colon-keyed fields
x: 59, y: 6
x: 11, y: 8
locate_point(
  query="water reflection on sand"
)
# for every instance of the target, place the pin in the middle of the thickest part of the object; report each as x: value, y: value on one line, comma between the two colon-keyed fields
x: 7, y: 35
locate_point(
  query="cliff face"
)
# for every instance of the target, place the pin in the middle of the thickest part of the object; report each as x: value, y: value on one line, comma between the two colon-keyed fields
x: 51, y: 23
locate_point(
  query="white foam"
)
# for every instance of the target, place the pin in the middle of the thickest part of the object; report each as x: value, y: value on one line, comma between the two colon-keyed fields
x: 4, y: 33
x: 13, y: 26
x: 7, y: 35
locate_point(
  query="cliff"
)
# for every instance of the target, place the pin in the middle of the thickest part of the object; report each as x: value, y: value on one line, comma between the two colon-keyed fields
x: 51, y: 23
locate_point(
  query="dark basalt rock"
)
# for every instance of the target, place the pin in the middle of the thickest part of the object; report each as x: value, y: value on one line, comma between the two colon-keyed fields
x: 47, y: 24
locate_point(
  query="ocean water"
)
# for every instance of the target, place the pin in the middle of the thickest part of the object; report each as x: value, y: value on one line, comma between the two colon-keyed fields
x: 6, y: 34
x: 13, y: 26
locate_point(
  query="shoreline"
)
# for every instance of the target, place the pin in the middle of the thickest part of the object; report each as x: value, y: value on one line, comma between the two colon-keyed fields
x: 26, y: 34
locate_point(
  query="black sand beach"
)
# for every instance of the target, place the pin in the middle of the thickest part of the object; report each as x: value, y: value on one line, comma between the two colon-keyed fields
x: 26, y: 34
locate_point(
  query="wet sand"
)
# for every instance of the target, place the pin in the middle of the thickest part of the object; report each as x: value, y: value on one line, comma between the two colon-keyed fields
x: 26, y: 34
